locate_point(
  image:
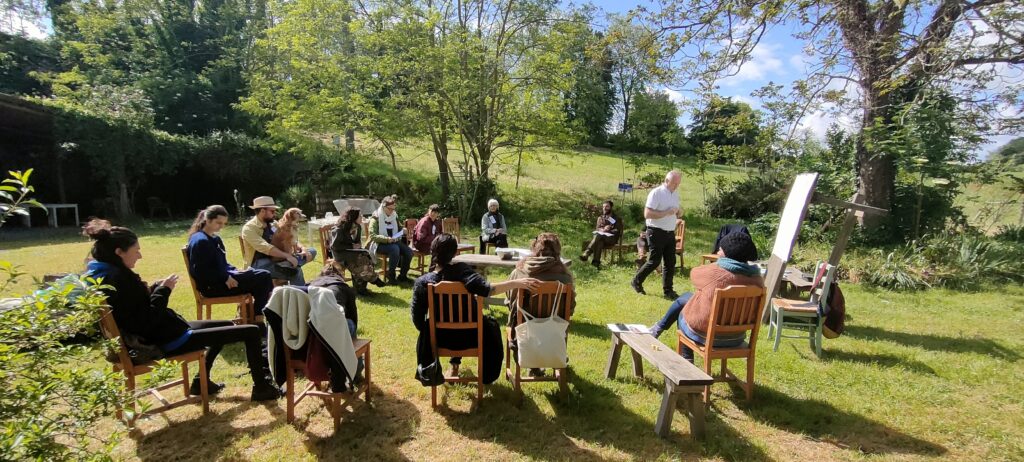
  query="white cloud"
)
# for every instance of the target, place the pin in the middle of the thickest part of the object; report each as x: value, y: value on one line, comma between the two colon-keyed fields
x: 762, y: 64
x: 12, y: 22
x: 673, y: 95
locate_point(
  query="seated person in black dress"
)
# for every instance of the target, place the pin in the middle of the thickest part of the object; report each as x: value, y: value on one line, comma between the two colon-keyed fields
x: 142, y: 310
x: 442, y: 251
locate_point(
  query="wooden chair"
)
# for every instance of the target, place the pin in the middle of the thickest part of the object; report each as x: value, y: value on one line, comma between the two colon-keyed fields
x: 241, y: 248
x: 131, y: 371
x: 803, y: 315
x: 418, y: 257
x: 538, y: 303
x: 244, y: 302
x: 336, y: 403
x: 734, y: 309
x: 325, y: 241
x: 381, y: 258
x: 680, y: 241
x: 450, y: 225
x: 451, y: 306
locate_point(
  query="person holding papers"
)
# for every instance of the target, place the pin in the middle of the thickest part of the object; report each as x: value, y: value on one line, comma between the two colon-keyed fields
x: 606, y: 234
x: 387, y: 238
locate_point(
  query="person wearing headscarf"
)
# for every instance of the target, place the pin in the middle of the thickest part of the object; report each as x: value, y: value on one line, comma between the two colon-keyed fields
x: 691, y: 312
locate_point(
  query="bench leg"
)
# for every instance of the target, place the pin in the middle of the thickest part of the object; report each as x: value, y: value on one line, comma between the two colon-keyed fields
x: 695, y: 412
x: 613, y: 357
x: 638, y: 363
x: 663, y: 425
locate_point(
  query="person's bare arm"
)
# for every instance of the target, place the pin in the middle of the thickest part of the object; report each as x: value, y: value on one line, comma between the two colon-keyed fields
x: 652, y: 214
x: 511, y: 284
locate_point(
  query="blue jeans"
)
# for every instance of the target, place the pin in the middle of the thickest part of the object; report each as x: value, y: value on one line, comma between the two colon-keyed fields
x: 397, y: 253
x: 276, y: 272
x: 675, y: 312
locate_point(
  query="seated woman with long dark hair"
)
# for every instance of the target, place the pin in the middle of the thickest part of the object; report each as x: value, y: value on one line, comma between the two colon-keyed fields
x: 347, y: 250
x: 142, y: 310
x: 442, y: 251
x: 208, y: 263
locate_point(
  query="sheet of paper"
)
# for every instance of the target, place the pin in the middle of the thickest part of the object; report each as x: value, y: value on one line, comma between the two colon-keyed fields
x: 635, y: 328
x: 603, y: 233
x: 399, y: 234
x: 611, y: 221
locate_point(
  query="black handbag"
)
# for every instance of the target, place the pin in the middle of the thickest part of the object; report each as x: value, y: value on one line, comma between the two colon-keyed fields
x: 430, y: 375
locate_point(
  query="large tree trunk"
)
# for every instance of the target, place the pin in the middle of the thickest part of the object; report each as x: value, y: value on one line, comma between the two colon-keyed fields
x: 439, y: 138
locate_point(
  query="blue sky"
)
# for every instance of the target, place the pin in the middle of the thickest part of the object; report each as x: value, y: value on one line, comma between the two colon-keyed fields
x: 776, y: 59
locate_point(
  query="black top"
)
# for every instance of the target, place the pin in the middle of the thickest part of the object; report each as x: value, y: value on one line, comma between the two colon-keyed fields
x: 458, y: 272
x: 138, y: 309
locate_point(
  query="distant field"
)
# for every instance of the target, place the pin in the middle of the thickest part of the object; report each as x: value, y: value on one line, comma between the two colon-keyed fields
x: 989, y: 206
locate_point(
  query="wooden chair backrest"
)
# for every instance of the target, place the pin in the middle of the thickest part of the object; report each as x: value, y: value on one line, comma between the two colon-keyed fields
x: 824, y: 275
x: 680, y: 234
x: 450, y: 225
x: 540, y: 301
x: 366, y: 234
x: 736, y: 309
x: 410, y: 225
x: 241, y: 248
x: 325, y: 240
x: 188, y: 270
x: 451, y: 306
x: 108, y: 327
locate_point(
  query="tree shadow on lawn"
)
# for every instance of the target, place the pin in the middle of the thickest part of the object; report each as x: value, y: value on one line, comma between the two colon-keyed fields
x: 974, y: 344
x: 883, y: 360
x: 825, y: 422
x: 367, y: 433
x: 384, y: 299
x: 179, y: 440
x: 591, y: 413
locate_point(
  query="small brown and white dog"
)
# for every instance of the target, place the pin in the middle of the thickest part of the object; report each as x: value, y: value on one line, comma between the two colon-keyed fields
x: 286, y: 238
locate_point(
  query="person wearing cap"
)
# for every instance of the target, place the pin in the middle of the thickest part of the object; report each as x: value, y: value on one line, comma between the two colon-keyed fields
x: 257, y: 250
x: 386, y: 238
x: 660, y: 212
x: 691, y: 312
x: 492, y: 227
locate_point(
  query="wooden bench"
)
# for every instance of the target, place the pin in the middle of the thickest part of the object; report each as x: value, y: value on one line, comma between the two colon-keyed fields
x: 682, y: 378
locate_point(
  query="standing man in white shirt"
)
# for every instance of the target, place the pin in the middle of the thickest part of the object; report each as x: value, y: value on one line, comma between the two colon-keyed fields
x: 661, y: 211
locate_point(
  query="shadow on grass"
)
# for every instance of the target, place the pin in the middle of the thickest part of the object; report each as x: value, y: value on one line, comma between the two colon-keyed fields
x: 883, y: 360
x: 978, y: 345
x: 384, y: 299
x: 825, y: 422
x: 592, y: 413
x: 366, y: 433
x: 179, y: 441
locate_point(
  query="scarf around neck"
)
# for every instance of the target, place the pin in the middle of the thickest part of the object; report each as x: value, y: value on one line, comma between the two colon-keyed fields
x: 541, y: 265
x: 738, y: 267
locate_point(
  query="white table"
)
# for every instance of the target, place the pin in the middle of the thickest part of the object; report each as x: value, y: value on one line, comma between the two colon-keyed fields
x: 365, y: 205
x: 52, y: 209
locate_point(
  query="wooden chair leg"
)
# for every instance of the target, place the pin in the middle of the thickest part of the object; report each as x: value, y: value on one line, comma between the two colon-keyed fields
x: 779, y: 319
x: 199, y: 311
x: 366, y: 367
x: 289, y: 393
x: 707, y: 370
x: 209, y: 311
x: 130, y: 386
x: 749, y: 388
x: 184, y: 377
x: 479, y: 377
x: 433, y: 397
x: 204, y: 379
x: 817, y: 337
x: 725, y: 369
x: 563, y: 381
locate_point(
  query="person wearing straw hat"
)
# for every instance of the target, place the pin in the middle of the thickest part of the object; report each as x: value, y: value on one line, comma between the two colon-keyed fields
x: 257, y: 234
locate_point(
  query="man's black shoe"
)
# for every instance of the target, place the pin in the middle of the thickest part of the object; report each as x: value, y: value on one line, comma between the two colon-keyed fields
x: 404, y: 280
x: 378, y: 282
x: 265, y: 392
x: 637, y: 287
x: 671, y: 295
x: 584, y: 256
x: 212, y: 388
x: 597, y: 264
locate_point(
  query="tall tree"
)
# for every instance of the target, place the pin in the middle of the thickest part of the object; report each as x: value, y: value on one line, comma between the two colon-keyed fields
x: 891, y: 51
x: 653, y: 126
x: 591, y: 101
x: 634, y: 51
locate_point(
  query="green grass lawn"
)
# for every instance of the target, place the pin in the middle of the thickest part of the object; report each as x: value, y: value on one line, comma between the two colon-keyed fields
x: 918, y: 376
x: 931, y: 375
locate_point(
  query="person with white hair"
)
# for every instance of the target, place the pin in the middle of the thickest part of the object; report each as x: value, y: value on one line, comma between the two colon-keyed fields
x: 661, y: 211
x: 492, y: 227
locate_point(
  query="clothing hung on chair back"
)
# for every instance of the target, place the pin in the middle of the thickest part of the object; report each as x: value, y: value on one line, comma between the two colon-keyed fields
x: 541, y: 338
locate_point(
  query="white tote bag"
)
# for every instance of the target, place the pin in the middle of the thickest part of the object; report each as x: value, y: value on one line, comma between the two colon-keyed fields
x: 542, y: 340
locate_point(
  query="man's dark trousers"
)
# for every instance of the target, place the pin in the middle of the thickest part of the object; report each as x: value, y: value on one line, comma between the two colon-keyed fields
x: 662, y: 246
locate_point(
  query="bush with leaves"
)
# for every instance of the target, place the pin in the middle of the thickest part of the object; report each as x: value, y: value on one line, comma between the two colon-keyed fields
x: 1010, y: 233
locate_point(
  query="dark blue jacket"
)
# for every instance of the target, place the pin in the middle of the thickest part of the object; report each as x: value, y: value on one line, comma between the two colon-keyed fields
x: 208, y: 262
